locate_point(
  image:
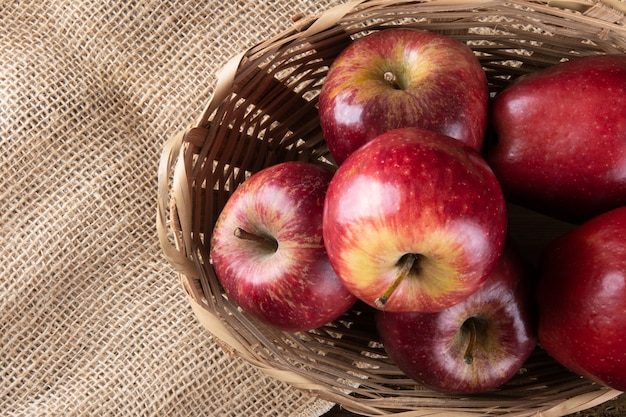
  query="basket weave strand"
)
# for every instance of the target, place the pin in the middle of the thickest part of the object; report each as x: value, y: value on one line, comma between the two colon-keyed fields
x: 263, y: 111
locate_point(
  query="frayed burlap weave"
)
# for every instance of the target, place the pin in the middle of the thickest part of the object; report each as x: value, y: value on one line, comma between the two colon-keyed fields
x: 93, y: 319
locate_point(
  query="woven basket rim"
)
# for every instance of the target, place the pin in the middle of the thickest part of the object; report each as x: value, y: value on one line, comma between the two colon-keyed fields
x: 177, y: 204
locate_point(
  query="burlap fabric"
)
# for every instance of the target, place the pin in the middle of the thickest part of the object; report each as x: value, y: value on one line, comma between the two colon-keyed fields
x: 93, y: 319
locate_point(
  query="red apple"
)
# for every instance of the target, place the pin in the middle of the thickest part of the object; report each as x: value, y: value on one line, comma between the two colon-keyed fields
x: 581, y: 297
x: 560, y: 144
x: 400, y: 78
x: 414, y: 221
x: 268, y: 252
x: 474, y: 346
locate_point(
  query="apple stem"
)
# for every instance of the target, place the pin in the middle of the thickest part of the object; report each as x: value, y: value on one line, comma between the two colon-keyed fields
x: 468, y: 358
x: 407, y: 261
x: 391, y: 78
x: 244, y: 234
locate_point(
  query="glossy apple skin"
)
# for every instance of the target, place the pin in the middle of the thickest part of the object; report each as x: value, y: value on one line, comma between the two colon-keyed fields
x: 431, y: 347
x: 581, y: 298
x: 441, y: 87
x: 293, y: 288
x: 561, y: 138
x: 416, y: 191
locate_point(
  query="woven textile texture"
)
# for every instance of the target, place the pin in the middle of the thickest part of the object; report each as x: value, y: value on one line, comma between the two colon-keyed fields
x: 93, y: 320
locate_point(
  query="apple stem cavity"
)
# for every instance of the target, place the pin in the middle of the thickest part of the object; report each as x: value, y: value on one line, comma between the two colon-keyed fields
x: 267, y: 242
x: 470, y: 325
x: 407, y: 263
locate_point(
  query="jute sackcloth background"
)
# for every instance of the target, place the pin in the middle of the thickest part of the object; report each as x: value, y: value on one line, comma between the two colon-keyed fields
x: 93, y: 320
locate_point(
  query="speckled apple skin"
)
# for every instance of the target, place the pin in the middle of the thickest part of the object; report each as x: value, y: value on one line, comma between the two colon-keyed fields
x: 293, y: 288
x: 561, y: 138
x: 581, y: 297
x: 412, y: 190
x: 443, y: 88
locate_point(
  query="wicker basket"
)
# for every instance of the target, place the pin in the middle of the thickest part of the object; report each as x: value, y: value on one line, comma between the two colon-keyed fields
x: 263, y: 111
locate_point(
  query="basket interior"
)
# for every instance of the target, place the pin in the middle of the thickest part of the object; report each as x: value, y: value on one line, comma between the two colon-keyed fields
x: 270, y: 116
